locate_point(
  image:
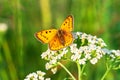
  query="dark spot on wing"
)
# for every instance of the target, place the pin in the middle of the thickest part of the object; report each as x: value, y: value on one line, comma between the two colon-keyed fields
x: 65, y: 23
x: 46, y: 32
x: 49, y: 31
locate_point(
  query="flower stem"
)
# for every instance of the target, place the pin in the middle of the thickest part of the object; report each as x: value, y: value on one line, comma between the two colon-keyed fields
x: 83, y: 68
x: 66, y: 70
x: 108, y: 69
x: 79, y: 71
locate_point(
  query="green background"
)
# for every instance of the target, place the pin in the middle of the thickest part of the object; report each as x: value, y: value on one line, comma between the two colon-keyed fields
x: 20, y: 51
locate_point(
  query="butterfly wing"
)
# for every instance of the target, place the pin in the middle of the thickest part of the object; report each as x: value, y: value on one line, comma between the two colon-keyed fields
x: 67, y: 25
x: 46, y: 35
x: 55, y: 43
x: 68, y: 38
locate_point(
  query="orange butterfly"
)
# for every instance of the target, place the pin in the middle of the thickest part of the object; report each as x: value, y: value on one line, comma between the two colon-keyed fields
x: 58, y: 39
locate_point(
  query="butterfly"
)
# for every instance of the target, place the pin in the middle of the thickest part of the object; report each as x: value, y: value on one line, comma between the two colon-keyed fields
x: 57, y: 39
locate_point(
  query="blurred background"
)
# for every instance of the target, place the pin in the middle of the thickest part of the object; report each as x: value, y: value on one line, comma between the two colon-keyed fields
x: 21, y: 19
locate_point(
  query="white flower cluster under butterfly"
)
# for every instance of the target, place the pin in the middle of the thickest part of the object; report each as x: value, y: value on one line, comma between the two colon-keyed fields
x: 92, y: 51
x: 39, y: 75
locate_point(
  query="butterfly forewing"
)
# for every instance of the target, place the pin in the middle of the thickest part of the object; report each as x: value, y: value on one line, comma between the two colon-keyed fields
x: 67, y: 25
x: 46, y: 35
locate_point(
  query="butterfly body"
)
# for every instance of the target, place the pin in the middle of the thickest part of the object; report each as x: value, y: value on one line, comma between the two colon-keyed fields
x: 60, y: 35
x: 58, y: 39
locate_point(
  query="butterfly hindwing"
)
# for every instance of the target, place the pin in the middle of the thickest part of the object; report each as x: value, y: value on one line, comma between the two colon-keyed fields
x: 68, y: 38
x: 46, y: 35
x: 55, y: 43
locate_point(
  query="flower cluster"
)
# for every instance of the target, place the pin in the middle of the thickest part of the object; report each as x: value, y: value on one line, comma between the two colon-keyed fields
x: 114, y: 54
x: 39, y: 75
x: 53, y: 57
x: 90, y: 48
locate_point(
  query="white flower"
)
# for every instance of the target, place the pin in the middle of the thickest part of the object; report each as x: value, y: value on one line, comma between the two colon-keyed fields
x: 76, y: 56
x: 3, y: 27
x: 40, y: 78
x: 32, y: 76
x: 112, y: 56
x: 48, y: 54
x: 39, y: 75
x: 91, y: 39
x: 116, y: 52
x: 53, y: 61
x: 76, y: 34
x: 88, y: 56
x: 48, y: 66
x: 102, y: 44
x: 54, y: 70
x: 84, y: 35
x: 82, y: 61
x: 94, y: 60
x: 64, y: 51
x: 45, y: 54
x: 47, y: 79
x: 74, y: 48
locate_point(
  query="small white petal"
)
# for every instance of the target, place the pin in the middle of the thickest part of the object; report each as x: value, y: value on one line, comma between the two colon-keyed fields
x: 27, y: 79
x: 40, y: 73
x: 94, y: 60
x: 44, y: 54
x: 113, y: 56
x: 41, y: 78
x: 48, y: 66
x: 116, y: 52
x: 54, y: 70
x: 3, y: 27
x: 47, y: 79
x: 88, y: 56
x: 53, y: 61
x: 82, y: 61
x: 83, y: 36
x: 75, y: 57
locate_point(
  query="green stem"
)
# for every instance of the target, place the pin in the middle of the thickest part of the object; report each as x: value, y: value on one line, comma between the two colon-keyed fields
x: 108, y: 69
x: 83, y: 68
x: 79, y: 71
x: 10, y: 62
x: 66, y: 70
